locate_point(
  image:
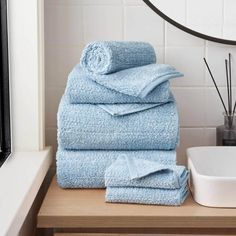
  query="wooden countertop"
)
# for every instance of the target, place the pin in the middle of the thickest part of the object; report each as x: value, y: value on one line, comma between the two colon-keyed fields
x: 87, y: 209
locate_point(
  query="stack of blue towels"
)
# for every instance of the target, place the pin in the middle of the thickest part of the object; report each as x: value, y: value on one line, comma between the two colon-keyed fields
x: 118, y: 126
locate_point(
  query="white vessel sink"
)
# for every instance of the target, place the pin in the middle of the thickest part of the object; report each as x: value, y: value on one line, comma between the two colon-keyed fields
x: 213, y: 175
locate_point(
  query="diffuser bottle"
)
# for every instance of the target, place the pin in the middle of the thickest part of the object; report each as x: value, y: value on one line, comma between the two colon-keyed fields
x: 226, y: 134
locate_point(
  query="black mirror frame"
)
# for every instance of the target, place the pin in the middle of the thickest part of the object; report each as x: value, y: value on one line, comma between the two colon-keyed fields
x: 186, y: 29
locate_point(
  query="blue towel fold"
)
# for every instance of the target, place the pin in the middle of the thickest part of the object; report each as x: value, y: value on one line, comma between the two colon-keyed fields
x: 138, y: 81
x: 103, y: 57
x: 132, y: 172
x: 126, y: 109
x: 86, y: 126
x: 86, y: 169
x: 82, y: 89
x: 156, y: 196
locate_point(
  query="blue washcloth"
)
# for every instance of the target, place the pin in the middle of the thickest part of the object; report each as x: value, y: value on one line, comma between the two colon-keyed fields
x: 103, y: 57
x: 87, y: 126
x: 82, y: 89
x: 133, y: 172
x: 86, y: 169
x: 172, y: 197
x: 138, y: 81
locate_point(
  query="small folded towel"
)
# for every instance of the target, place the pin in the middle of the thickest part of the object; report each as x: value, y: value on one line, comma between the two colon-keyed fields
x: 132, y: 172
x: 173, y: 197
x: 86, y: 169
x: 87, y: 126
x: 82, y: 89
x: 103, y: 57
x: 138, y: 81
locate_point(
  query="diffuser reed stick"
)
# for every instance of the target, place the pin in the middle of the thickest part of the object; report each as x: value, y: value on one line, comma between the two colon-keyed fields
x: 230, y: 83
x: 227, y: 81
x: 231, y: 109
x: 234, y: 108
x: 222, y: 101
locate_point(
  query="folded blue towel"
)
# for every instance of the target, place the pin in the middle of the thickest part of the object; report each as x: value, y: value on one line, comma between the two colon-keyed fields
x: 103, y: 57
x: 82, y: 89
x: 86, y: 126
x: 173, y: 197
x: 138, y: 81
x: 126, y: 109
x: 86, y: 169
x: 133, y: 172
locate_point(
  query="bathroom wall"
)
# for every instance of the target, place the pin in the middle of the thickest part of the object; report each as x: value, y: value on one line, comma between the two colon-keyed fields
x: 71, y: 24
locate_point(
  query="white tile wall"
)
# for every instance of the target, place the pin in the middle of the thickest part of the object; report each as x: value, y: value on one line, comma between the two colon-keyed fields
x: 70, y: 24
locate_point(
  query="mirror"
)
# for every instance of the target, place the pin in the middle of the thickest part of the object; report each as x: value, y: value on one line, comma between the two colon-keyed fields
x: 213, y: 20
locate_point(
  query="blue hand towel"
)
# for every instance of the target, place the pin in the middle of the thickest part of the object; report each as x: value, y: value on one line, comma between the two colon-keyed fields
x: 86, y: 169
x: 132, y: 172
x: 156, y: 196
x: 87, y: 126
x: 138, y: 81
x: 82, y: 89
x: 103, y: 57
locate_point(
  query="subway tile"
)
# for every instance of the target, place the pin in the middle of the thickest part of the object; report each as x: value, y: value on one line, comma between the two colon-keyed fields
x: 189, y: 61
x: 191, y: 108
x: 216, y: 55
x: 53, y: 97
x: 83, y: 2
x: 142, y: 24
x: 134, y: 2
x: 63, y: 25
x: 210, y: 136
x: 102, y: 23
x: 51, y: 138
x: 176, y: 10
x: 177, y: 37
x: 160, y: 54
x: 59, y: 61
x: 189, y: 137
x: 101, y: 2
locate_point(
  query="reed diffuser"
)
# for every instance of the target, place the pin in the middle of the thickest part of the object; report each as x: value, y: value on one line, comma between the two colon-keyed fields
x: 226, y: 133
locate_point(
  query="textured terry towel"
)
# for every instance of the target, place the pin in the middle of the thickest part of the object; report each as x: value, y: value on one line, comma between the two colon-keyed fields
x: 173, y: 197
x: 138, y: 81
x: 103, y: 57
x: 82, y: 89
x: 132, y: 172
x: 86, y: 126
x: 86, y: 169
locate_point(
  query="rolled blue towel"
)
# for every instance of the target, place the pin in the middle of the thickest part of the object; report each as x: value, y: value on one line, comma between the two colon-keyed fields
x: 86, y: 169
x: 87, y: 126
x: 82, y: 89
x: 104, y: 57
x: 133, y: 172
x: 155, y: 196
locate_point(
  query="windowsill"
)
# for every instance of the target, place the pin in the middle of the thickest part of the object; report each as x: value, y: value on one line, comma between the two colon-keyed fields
x: 21, y: 176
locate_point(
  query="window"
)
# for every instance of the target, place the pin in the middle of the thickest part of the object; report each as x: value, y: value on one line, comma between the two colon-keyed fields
x: 5, y: 129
